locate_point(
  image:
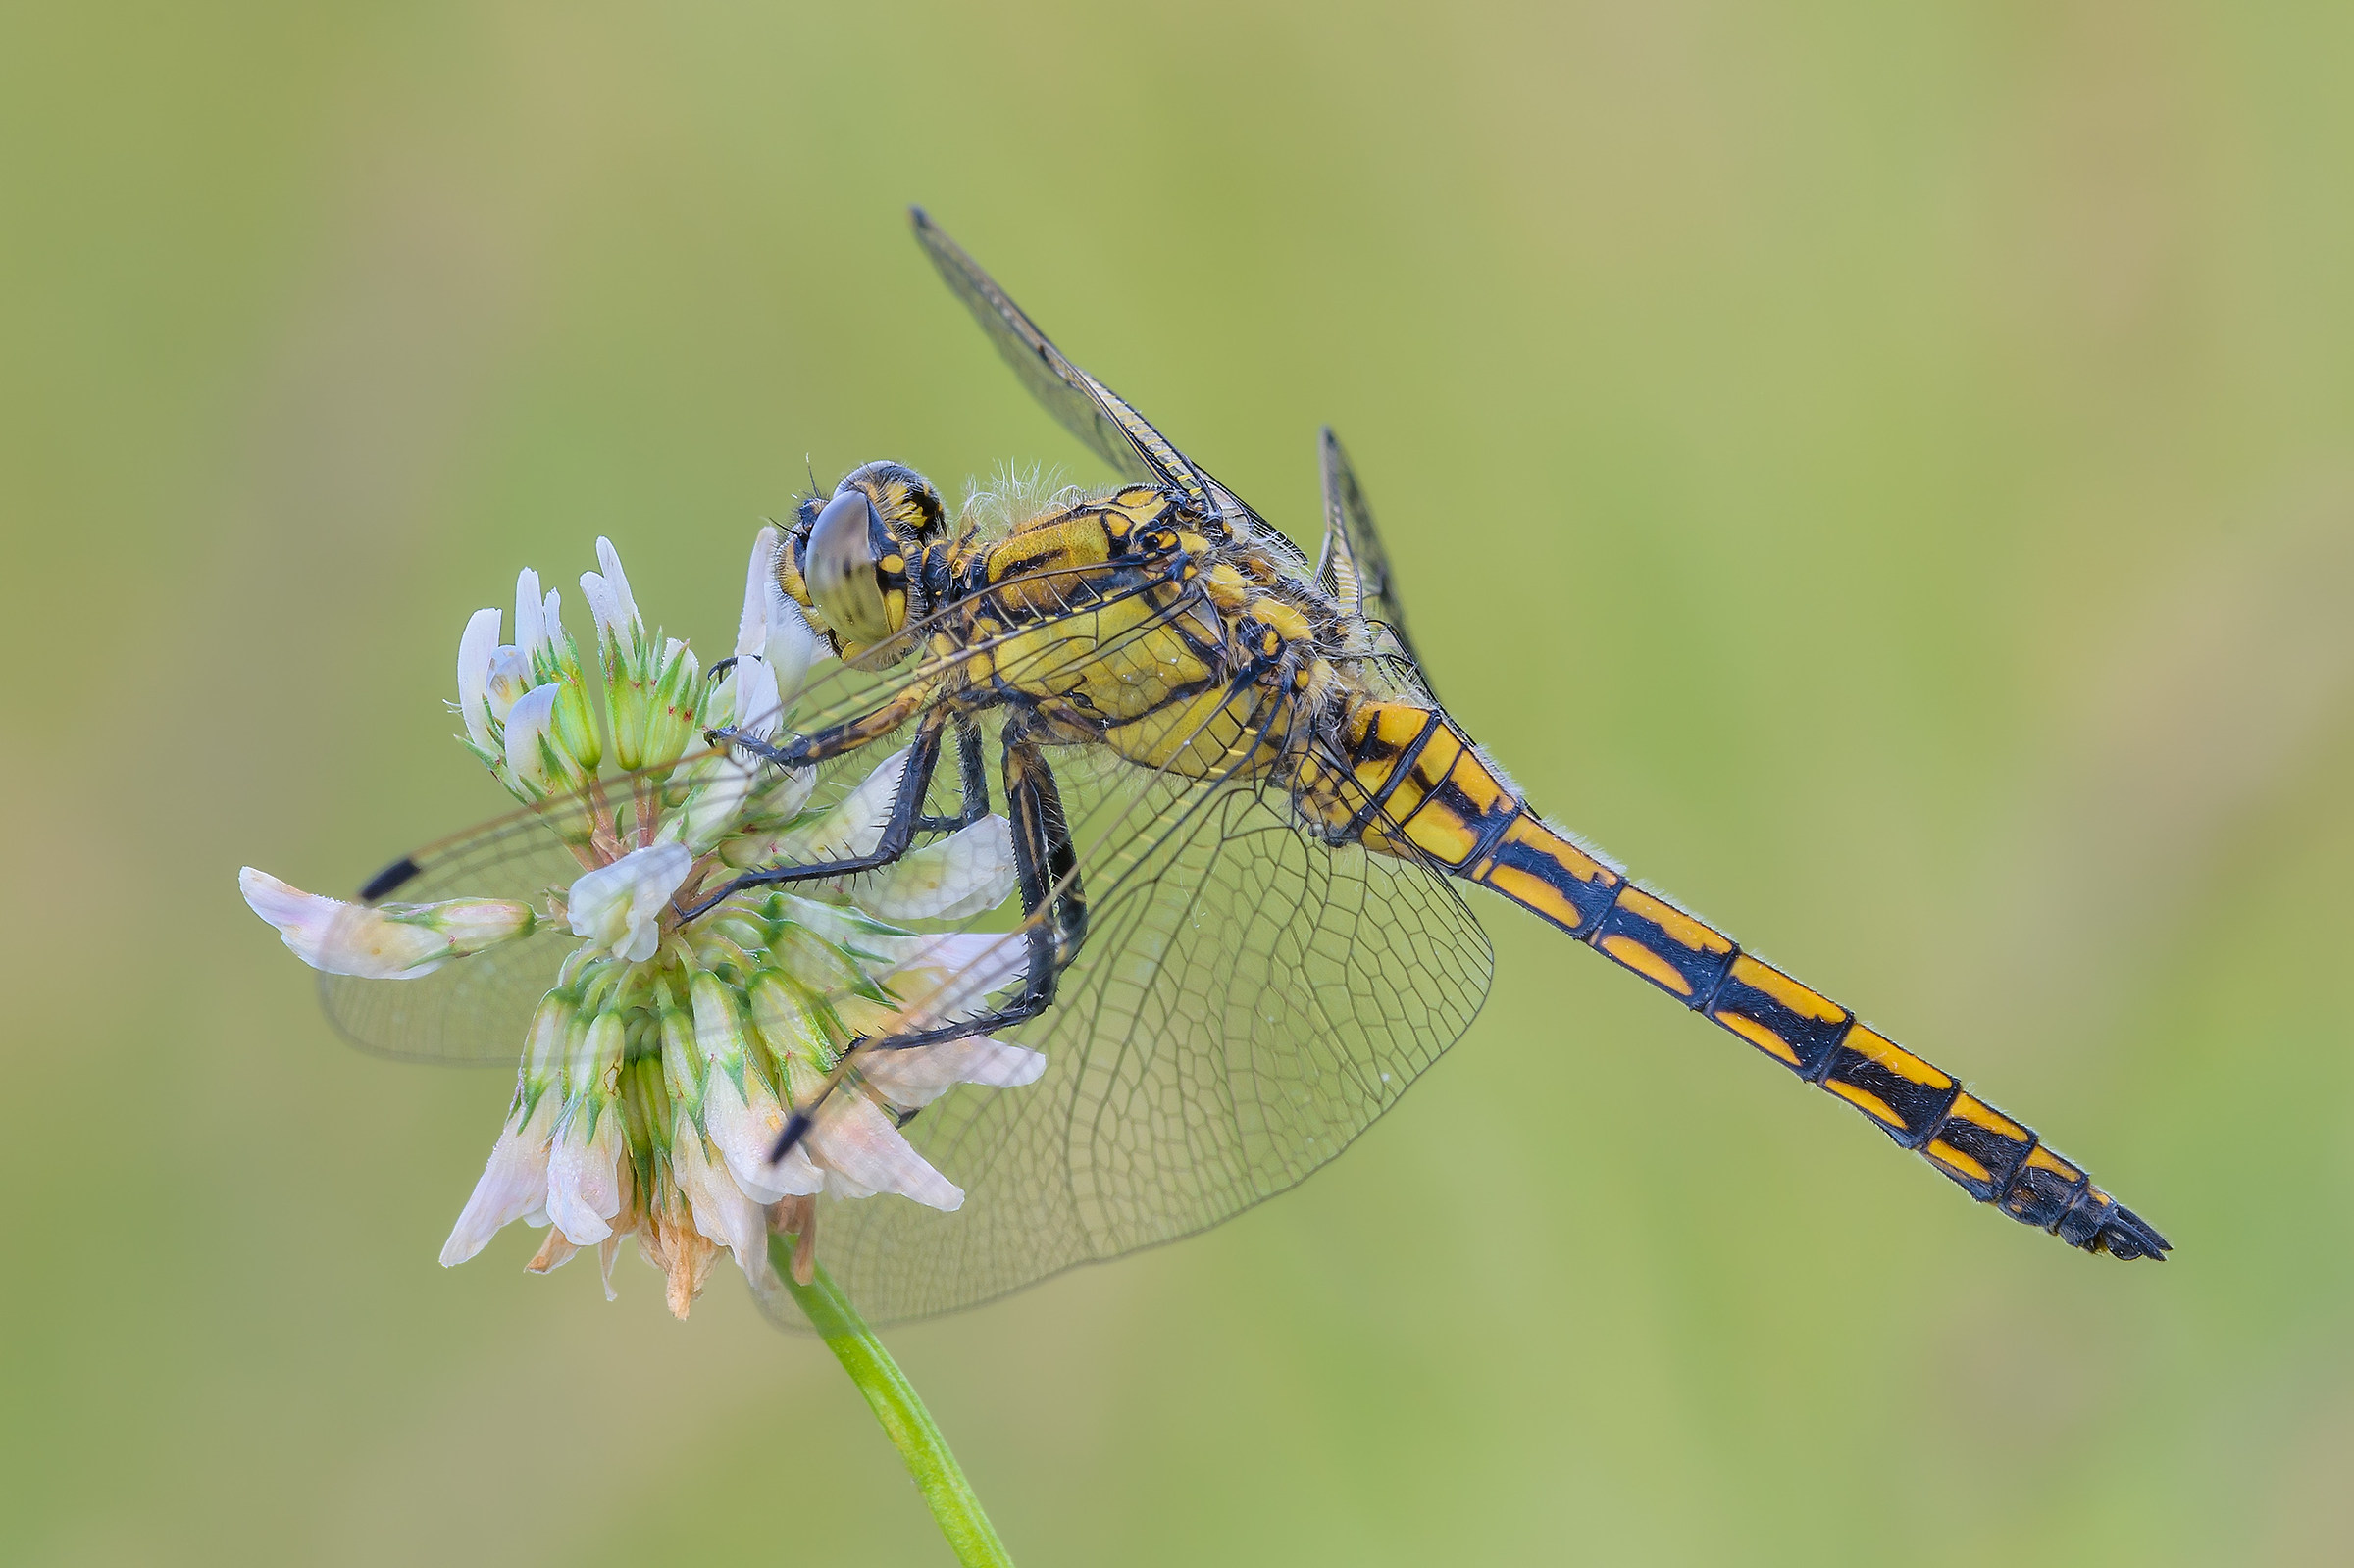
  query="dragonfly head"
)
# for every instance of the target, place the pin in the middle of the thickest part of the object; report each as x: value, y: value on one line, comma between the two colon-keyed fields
x: 852, y: 557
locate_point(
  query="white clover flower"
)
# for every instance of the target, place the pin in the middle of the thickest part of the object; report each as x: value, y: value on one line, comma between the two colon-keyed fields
x: 659, y: 1072
x: 619, y: 907
x: 388, y: 942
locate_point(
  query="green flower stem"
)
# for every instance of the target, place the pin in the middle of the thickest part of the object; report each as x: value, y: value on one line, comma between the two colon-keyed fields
x: 899, y: 1411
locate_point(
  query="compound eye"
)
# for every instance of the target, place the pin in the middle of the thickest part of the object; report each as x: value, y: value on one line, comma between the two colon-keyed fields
x: 840, y: 568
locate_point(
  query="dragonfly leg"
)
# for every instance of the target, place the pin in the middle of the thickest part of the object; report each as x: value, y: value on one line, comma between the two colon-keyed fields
x: 1054, y: 919
x: 972, y: 778
x: 849, y: 735
x: 899, y: 830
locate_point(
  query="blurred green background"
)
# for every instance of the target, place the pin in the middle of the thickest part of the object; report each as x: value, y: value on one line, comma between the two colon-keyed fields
x: 1884, y: 471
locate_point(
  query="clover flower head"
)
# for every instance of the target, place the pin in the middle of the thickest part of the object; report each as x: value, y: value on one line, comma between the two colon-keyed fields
x: 668, y: 1055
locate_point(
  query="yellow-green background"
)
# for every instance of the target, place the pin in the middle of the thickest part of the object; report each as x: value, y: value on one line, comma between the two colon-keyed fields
x: 1883, y: 469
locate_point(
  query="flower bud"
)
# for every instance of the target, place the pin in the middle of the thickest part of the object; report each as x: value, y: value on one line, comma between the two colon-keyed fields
x: 786, y: 1022
x: 546, y: 1045
x: 671, y: 710
x: 575, y: 718
x: 683, y: 1065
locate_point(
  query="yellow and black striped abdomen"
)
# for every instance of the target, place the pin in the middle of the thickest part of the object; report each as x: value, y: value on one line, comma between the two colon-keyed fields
x: 1425, y: 785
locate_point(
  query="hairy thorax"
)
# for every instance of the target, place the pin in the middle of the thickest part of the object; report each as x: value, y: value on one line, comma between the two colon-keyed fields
x: 1128, y: 622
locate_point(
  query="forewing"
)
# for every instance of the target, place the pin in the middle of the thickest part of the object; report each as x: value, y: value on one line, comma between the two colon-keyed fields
x: 1354, y: 567
x: 1087, y: 408
x: 1248, y: 1001
x: 1079, y: 402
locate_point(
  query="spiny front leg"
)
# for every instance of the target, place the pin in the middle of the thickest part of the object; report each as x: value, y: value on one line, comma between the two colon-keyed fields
x: 806, y: 751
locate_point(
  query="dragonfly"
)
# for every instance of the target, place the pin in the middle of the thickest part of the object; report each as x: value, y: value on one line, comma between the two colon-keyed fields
x: 1242, y: 828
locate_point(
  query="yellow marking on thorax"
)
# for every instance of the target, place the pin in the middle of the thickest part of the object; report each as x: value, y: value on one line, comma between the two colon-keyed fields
x: 1285, y: 618
x: 1212, y: 732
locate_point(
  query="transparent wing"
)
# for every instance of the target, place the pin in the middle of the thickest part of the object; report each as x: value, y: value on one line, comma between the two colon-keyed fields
x: 1248, y: 1001
x: 1352, y: 567
x: 1087, y: 408
x: 472, y: 1010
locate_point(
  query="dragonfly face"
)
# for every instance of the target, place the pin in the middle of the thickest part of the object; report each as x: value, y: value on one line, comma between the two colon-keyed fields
x: 857, y: 561
x: 1240, y: 823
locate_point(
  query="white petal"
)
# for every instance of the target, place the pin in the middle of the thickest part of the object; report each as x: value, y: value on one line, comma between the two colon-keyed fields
x: 530, y: 621
x: 475, y: 648
x: 583, y: 1185
x: 551, y: 620
x: 721, y: 1213
x: 343, y: 939
x: 510, y: 678
x: 757, y: 707
x: 855, y: 826
x: 855, y: 1137
x: 528, y: 721
x: 602, y: 608
x: 968, y: 872
x: 751, y: 627
x: 513, y: 1185
x: 950, y: 977
x: 619, y: 907
x: 744, y: 1134
x: 793, y: 643
x: 617, y: 580
x: 916, y: 1077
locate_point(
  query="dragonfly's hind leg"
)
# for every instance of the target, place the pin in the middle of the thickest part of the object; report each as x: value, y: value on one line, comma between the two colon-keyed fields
x: 1053, y: 918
